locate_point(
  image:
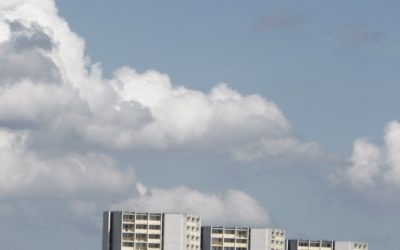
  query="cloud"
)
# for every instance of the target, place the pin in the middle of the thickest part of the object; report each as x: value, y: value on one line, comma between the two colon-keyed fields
x: 23, y: 172
x: 280, y: 21
x: 65, y: 96
x: 273, y: 149
x: 22, y: 56
x: 231, y: 207
x: 63, y: 125
x: 374, y: 168
x: 85, y: 184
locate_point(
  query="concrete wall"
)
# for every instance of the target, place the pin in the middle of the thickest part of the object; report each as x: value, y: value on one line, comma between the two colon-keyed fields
x: 116, y: 227
x: 260, y: 239
x: 206, y: 238
x: 106, y: 230
x: 174, y: 237
x: 350, y: 245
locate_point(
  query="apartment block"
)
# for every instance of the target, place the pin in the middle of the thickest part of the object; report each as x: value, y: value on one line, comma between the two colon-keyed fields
x: 310, y: 245
x: 325, y: 245
x: 150, y: 231
x: 225, y: 238
x: 242, y: 238
x: 350, y: 245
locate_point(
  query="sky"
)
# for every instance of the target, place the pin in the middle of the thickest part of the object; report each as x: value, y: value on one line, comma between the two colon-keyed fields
x: 266, y: 113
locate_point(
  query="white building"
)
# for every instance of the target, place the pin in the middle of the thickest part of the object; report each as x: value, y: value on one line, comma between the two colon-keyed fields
x: 242, y: 238
x: 224, y: 238
x: 267, y: 239
x: 310, y: 245
x: 350, y: 245
x: 150, y: 231
x: 325, y: 245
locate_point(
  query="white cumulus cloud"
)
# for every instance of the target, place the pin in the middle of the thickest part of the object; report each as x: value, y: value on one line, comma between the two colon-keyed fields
x: 231, y: 207
x: 44, y: 61
x: 374, y: 168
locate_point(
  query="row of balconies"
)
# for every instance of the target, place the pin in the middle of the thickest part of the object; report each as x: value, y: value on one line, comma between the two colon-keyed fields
x: 142, y: 222
x: 141, y: 237
x: 140, y: 246
x: 313, y: 248
x: 141, y: 231
x: 225, y: 244
x: 142, y: 216
x: 141, y: 226
x: 228, y: 248
x: 230, y: 236
x: 153, y: 241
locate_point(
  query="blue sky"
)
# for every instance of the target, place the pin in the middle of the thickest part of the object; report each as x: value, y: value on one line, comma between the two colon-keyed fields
x: 342, y: 56
x: 285, y: 111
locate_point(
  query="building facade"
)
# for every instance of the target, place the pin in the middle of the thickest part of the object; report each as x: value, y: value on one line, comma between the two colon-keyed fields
x: 242, y: 238
x: 310, y: 245
x: 267, y: 239
x: 150, y: 231
x: 224, y: 238
x: 325, y: 245
x: 350, y: 245
x: 177, y: 231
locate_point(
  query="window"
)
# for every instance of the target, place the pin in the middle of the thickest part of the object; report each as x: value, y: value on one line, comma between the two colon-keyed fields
x: 128, y: 227
x: 217, y: 241
x: 154, y: 236
x: 242, y: 234
x: 141, y: 216
x: 141, y: 226
x: 127, y: 244
x: 129, y: 217
x: 127, y: 236
x: 241, y: 240
x: 152, y: 245
x: 141, y: 237
x: 229, y: 231
x: 154, y: 227
x: 155, y: 217
x: 217, y: 231
x: 229, y: 240
x: 326, y: 244
x: 303, y: 243
x: 140, y: 246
